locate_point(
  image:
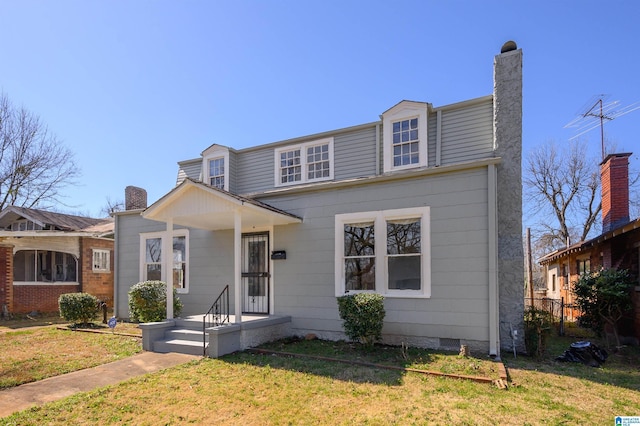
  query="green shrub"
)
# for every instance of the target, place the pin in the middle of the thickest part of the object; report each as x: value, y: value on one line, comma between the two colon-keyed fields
x: 78, y: 307
x: 537, y: 328
x: 148, y: 302
x: 604, y: 297
x: 363, y: 316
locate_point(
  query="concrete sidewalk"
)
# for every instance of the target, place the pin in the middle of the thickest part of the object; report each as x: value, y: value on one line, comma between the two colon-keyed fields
x: 37, y: 393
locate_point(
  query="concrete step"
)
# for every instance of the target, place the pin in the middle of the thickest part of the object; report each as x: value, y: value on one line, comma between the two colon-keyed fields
x: 179, y: 346
x: 185, y: 334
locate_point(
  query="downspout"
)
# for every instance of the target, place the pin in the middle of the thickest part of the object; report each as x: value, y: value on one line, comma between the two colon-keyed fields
x: 494, y: 297
x: 438, y: 138
x: 116, y: 260
x: 377, y: 149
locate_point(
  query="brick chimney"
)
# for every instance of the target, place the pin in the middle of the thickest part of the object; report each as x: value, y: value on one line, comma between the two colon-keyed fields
x: 135, y: 198
x: 614, y: 175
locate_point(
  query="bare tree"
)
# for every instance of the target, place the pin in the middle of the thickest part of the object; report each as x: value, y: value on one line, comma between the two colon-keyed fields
x: 112, y: 206
x: 34, y: 164
x: 563, y: 191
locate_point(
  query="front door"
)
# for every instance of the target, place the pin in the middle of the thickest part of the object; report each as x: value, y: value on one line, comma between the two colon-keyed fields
x: 255, y: 273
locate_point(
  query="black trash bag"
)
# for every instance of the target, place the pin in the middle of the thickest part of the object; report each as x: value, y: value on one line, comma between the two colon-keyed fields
x: 585, y: 352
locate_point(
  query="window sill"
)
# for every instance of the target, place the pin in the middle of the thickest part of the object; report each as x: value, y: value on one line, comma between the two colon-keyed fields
x: 25, y: 283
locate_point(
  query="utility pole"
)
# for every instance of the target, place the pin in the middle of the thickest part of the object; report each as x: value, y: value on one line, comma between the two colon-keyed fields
x: 529, y: 265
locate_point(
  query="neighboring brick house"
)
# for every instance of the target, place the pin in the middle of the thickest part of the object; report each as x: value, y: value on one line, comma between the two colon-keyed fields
x: 45, y: 254
x: 617, y: 247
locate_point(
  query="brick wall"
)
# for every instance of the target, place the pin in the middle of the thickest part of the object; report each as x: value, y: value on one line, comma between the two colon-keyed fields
x: 41, y: 297
x: 98, y: 284
x: 614, y: 175
x: 6, y: 277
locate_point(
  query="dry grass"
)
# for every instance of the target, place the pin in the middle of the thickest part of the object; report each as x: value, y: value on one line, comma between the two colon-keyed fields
x: 254, y: 389
x: 34, y: 352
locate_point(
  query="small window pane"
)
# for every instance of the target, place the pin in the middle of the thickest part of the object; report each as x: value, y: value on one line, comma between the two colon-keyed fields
x: 360, y: 274
x: 404, y: 273
x: 403, y: 236
x: 359, y: 240
x: 153, y: 250
x: 154, y: 272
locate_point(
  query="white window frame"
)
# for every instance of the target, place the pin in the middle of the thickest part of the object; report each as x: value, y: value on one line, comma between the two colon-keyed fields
x: 212, y: 176
x: 103, y: 263
x: 214, y: 153
x: 304, y: 165
x: 162, y: 235
x: 405, y: 110
x: 379, y: 218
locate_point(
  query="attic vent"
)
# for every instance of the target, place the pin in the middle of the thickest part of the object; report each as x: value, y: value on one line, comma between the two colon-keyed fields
x: 135, y: 198
x: 449, y: 343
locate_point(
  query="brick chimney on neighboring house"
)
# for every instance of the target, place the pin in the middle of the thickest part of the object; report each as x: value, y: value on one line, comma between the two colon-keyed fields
x: 614, y: 175
x: 135, y: 198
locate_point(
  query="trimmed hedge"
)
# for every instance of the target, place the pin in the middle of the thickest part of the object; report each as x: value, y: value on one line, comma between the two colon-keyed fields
x: 148, y: 302
x: 78, y: 307
x: 363, y: 316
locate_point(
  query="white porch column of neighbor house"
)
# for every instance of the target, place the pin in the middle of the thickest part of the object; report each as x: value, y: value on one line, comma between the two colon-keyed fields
x: 507, y: 108
x: 167, y: 266
x: 237, y: 263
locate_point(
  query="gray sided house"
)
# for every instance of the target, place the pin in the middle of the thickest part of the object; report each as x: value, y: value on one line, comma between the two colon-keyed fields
x: 422, y: 206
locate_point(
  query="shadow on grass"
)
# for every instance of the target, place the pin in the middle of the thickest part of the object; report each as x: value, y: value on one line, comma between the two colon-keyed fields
x: 353, y: 362
x: 622, y: 367
x: 27, y: 321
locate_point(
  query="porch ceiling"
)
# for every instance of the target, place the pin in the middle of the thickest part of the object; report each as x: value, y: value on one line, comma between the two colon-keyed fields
x: 202, y: 206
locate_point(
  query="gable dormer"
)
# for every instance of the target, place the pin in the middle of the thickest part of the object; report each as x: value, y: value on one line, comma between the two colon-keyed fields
x: 215, y: 166
x: 405, y: 136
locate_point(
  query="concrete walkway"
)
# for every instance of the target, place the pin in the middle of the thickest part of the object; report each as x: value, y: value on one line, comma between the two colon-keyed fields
x: 37, y: 393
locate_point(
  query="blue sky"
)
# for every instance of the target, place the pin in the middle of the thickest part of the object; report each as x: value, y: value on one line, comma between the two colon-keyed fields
x: 133, y: 87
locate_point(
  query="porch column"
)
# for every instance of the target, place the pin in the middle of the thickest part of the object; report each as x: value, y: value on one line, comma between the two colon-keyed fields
x: 167, y: 266
x: 237, y: 263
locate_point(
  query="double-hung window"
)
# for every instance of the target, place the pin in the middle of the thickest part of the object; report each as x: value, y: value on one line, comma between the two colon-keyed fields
x: 386, y: 252
x: 152, y: 259
x: 405, y: 143
x: 584, y: 266
x: 101, y: 260
x: 216, y: 172
x: 215, y: 166
x: 405, y: 136
x: 304, y: 163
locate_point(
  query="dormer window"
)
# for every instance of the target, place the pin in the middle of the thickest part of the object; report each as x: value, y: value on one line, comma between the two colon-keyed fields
x: 215, y: 166
x: 216, y: 172
x: 405, y: 136
x: 405, y: 143
x: 304, y: 163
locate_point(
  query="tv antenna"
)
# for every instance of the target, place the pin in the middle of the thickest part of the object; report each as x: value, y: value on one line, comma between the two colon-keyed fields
x: 595, y: 112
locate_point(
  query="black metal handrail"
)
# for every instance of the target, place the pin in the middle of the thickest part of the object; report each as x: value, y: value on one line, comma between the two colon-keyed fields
x: 217, y: 314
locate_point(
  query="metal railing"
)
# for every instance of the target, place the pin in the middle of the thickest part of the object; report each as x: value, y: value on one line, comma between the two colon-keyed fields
x: 217, y: 314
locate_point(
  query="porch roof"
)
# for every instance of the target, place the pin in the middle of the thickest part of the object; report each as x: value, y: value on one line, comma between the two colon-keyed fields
x: 198, y: 205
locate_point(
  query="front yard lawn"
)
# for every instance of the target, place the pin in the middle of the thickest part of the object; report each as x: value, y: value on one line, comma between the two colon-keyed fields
x: 249, y: 388
x: 37, y: 352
